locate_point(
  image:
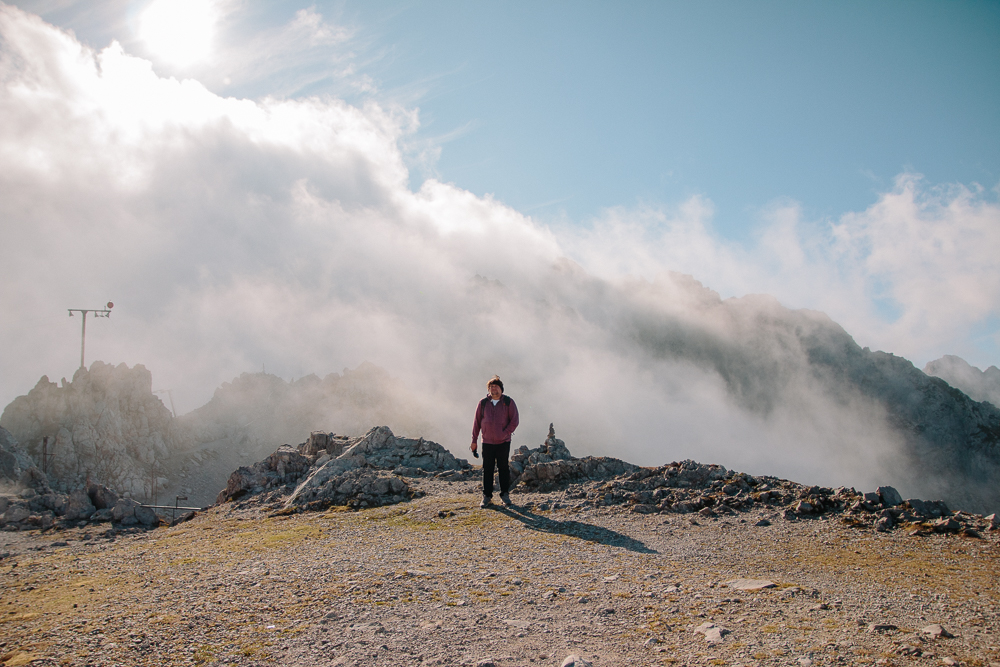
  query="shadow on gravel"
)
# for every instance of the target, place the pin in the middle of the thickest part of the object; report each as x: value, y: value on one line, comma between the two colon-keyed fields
x: 584, y: 531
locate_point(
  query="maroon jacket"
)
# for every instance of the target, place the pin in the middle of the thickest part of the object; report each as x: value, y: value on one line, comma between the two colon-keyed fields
x: 497, y: 422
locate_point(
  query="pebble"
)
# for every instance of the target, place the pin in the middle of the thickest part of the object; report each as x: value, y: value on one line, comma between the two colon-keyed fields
x: 397, y: 582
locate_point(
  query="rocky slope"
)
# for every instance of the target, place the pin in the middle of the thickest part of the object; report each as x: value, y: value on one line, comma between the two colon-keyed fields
x: 978, y: 385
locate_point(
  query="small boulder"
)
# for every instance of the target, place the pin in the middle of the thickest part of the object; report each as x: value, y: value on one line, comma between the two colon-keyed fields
x: 946, y: 525
x: 881, y: 628
x: 576, y: 661
x: 102, y: 497
x: 713, y: 633
x: 890, y: 496
x: 146, y: 516
x: 936, y: 631
x: 124, y: 511
x: 750, y: 584
x: 78, y: 506
x: 16, y: 514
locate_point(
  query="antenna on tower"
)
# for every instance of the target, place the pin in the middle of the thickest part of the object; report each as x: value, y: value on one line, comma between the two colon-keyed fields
x: 98, y: 312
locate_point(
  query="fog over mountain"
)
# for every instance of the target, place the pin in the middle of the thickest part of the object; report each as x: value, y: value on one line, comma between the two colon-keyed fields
x: 979, y: 385
x: 235, y: 235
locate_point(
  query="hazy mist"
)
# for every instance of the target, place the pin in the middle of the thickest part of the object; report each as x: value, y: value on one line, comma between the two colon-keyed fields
x: 237, y: 235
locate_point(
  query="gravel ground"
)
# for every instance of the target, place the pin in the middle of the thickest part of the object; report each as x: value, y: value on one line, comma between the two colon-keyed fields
x: 438, y: 581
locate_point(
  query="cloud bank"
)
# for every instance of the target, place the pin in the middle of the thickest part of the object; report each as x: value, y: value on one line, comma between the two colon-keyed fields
x: 238, y: 234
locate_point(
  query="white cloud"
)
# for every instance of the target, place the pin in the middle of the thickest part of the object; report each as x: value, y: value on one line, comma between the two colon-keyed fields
x: 233, y: 233
x: 913, y: 274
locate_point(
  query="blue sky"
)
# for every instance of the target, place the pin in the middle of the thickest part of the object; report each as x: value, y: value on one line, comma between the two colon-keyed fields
x: 561, y: 109
x: 571, y: 107
x: 843, y: 157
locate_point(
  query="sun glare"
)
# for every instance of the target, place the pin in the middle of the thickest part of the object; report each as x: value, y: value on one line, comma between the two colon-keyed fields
x: 178, y: 31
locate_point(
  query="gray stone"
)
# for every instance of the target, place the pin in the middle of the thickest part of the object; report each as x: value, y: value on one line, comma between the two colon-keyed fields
x: 936, y: 631
x: 124, y: 510
x: 946, y: 525
x: 890, y: 497
x: 146, y: 516
x: 575, y: 661
x: 713, y: 633
x: 994, y: 522
x: 13, y: 459
x: 881, y: 627
x: 750, y: 584
x: 873, y: 497
x: 101, y: 496
x: 102, y: 516
x: 16, y: 514
x: 928, y: 509
x: 78, y: 506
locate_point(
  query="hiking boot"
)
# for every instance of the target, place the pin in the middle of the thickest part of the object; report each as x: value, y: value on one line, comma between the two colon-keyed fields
x: 505, y: 499
x: 487, y: 501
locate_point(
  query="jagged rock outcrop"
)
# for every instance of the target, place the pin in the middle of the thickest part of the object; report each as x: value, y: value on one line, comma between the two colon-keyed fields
x: 978, y: 385
x: 330, y: 470
x: 14, y: 461
x: 551, y: 464
x: 106, y: 426
x: 28, y: 502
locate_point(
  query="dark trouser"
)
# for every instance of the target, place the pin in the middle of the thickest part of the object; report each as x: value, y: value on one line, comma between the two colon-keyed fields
x: 496, y: 456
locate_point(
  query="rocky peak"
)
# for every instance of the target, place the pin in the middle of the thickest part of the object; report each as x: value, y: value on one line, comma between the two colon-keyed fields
x: 105, y: 425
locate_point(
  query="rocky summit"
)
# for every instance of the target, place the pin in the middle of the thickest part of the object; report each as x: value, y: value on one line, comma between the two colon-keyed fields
x: 373, y: 550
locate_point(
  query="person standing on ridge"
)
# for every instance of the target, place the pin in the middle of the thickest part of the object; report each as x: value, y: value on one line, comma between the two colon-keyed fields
x: 496, y: 417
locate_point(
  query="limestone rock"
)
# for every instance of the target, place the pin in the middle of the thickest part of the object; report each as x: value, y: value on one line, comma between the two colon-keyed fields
x: 881, y: 628
x: 101, y: 496
x: 362, y: 475
x: 105, y: 425
x: 124, y: 511
x: 551, y: 464
x: 79, y: 506
x: 936, y: 631
x: 16, y: 514
x: 946, y: 525
x: 713, y: 633
x: 146, y: 516
x: 927, y: 509
x: 13, y: 459
x: 890, y: 496
x: 750, y: 584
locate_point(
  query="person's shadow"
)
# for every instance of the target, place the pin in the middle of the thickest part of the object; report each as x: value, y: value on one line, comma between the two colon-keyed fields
x: 584, y: 531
